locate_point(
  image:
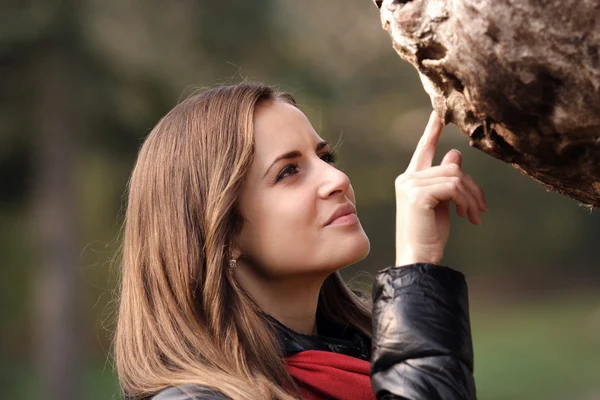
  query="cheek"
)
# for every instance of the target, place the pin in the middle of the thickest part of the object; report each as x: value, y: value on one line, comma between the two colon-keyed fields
x: 276, y: 223
x: 289, y: 216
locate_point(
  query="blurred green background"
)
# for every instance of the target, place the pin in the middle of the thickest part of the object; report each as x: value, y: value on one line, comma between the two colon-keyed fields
x: 81, y: 84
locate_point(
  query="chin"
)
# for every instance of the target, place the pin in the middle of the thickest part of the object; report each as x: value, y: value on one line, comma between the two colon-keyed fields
x: 354, y: 250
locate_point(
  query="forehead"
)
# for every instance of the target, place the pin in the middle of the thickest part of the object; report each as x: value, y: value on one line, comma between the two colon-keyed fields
x: 280, y: 127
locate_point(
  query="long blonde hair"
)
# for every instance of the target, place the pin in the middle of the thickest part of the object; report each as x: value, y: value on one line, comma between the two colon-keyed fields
x: 182, y: 317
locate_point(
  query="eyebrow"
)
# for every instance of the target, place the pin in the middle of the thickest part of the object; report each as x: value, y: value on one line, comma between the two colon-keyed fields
x: 294, y: 154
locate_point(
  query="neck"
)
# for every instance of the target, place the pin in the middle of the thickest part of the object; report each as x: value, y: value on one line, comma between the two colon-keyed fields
x: 291, y: 301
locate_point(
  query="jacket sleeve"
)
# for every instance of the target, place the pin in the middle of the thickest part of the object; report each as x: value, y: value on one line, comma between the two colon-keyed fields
x: 422, y: 347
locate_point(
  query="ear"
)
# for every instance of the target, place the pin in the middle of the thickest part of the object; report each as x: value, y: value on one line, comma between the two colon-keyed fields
x: 235, y: 253
x: 237, y: 239
x: 233, y: 249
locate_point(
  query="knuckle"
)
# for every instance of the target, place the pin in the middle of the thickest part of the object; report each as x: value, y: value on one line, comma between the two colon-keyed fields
x: 453, y: 187
x: 404, y: 181
x: 456, y: 181
x: 468, y: 178
x: 400, y: 179
x: 454, y: 169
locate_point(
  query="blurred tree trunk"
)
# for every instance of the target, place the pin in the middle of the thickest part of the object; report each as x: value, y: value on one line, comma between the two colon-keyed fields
x: 59, y: 301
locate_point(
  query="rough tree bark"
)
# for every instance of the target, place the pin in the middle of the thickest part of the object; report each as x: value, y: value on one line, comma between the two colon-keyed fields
x: 520, y: 77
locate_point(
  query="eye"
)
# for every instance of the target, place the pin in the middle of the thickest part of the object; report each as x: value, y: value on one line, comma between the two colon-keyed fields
x: 329, y: 157
x: 289, y: 170
x: 292, y: 169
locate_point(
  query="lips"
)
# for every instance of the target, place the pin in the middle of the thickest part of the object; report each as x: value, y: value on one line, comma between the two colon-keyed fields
x: 342, y: 210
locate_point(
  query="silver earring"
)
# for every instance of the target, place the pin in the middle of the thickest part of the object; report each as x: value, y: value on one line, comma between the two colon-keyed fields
x: 232, y: 263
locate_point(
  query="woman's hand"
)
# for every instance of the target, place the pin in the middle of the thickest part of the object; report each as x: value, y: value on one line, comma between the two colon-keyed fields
x: 423, y: 195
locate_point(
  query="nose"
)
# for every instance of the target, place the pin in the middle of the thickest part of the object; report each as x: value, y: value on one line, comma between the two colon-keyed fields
x: 332, y: 181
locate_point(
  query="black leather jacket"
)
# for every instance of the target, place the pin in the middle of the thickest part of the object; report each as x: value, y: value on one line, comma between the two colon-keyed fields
x: 421, y: 348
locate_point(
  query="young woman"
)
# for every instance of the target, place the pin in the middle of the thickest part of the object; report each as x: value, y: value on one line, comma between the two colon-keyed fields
x: 237, y: 225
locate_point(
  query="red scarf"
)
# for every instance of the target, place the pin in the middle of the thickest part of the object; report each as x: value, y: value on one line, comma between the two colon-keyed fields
x: 324, y: 375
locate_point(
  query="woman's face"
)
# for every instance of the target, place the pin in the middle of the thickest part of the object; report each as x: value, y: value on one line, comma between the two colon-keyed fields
x: 291, y: 193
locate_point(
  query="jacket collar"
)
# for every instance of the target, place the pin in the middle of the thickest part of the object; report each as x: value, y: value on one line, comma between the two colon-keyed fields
x: 330, y: 337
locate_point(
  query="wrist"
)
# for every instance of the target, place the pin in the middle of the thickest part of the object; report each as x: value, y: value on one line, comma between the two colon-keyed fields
x: 409, y: 258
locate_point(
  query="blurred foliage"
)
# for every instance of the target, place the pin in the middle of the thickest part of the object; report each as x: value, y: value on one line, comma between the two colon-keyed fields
x: 130, y: 62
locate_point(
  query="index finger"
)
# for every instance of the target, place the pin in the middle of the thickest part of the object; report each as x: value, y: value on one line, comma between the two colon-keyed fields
x: 423, y: 155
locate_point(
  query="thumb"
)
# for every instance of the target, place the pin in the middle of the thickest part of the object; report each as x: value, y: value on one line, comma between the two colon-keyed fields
x: 452, y: 157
